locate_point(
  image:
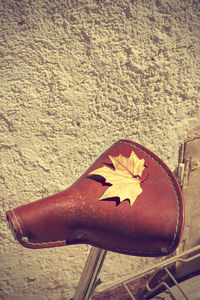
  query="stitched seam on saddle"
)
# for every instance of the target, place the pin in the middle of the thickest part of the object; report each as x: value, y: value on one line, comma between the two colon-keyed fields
x: 16, y: 220
x: 177, y: 202
x: 30, y: 243
x: 46, y: 243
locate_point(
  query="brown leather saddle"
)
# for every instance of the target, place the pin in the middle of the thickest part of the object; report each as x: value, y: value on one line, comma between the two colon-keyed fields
x: 128, y: 201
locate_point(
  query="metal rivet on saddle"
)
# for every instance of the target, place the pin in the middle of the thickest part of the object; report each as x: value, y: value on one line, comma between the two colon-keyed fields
x: 24, y: 239
x: 164, y: 250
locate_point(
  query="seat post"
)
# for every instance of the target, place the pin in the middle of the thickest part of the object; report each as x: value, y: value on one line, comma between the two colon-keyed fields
x: 89, y: 277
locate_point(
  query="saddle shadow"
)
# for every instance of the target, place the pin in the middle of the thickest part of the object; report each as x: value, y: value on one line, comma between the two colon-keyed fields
x: 102, y: 180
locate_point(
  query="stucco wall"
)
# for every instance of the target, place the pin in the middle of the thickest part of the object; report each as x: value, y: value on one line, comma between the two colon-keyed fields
x: 76, y: 76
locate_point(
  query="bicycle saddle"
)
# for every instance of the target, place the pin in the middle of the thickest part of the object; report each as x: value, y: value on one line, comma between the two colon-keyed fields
x: 128, y: 201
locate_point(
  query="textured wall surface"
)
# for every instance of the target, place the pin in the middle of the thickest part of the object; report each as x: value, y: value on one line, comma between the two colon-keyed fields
x: 75, y: 77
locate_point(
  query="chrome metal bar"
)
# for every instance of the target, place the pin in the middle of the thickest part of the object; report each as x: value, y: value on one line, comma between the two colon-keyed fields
x: 160, y: 265
x: 128, y: 290
x: 164, y: 284
x: 176, y: 283
x: 87, y: 282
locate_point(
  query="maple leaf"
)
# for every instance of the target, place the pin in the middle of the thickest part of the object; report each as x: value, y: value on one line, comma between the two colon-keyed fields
x: 125, y: 178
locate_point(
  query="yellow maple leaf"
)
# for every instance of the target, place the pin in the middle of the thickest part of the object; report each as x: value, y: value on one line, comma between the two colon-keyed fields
x: 125, y: 179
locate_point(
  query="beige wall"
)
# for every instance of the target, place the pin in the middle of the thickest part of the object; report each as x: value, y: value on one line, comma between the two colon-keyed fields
x: 76, y: 76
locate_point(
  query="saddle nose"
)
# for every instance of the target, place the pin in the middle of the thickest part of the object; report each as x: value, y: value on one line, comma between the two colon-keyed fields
x: 43, y: 223
x: 128, y: 201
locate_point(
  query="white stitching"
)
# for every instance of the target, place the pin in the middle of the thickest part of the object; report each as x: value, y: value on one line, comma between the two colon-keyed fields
x: 46, y: 243
x: 177, y: 202
x: 30, y: 243
x: 17, y: 222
